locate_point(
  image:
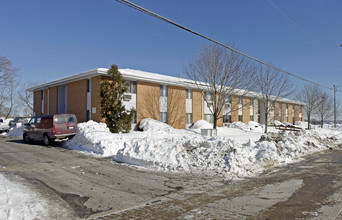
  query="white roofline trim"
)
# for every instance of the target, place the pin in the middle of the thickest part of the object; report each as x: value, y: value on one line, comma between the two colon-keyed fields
x: 138, y: 75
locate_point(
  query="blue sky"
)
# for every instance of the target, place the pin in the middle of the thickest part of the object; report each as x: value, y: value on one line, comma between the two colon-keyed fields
x: 51, y: 39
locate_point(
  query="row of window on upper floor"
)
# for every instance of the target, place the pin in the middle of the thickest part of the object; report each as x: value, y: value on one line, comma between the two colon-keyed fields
x: 132, y: 88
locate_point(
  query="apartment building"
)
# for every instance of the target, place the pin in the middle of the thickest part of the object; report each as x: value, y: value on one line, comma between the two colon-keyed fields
x: 172, y: 100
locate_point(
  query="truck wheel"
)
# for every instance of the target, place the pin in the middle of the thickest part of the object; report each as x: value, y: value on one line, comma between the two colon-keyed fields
x: 26, y: 139
x: 46, y: 140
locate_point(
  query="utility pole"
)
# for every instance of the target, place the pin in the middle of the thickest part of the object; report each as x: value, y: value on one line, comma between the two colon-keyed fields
x: 335, y: 106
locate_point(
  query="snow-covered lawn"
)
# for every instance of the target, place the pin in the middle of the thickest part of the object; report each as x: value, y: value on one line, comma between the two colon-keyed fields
x: 17, y: 201
x: 241, y: 150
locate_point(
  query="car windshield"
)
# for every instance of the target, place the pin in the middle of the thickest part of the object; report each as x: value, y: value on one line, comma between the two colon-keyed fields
x: 59, y: 119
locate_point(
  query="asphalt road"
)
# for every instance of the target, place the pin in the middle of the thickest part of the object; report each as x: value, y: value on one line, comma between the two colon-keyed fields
x: 98, y: 188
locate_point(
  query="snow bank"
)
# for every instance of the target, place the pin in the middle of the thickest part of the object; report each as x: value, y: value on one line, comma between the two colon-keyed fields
x: 20, y: 202
x: 278, y: 123
x: 250, y: 126
x: 201, y: 124
x: 160, y: 147
x: 150, y: 125
x: 17, y: 130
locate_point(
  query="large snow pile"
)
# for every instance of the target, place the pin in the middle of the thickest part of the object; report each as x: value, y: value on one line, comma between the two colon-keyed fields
x: 151, y: 125
x: 301, y: 124
x: 188, y: 151
x: 201, y: 124
x: 17, y: 130
x: 250, y: 126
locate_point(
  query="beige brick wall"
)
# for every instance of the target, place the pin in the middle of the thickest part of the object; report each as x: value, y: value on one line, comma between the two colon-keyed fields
x: 296, y: 112
x: 303, y: 113
x: 235, y: 108
x: 176, y: 106
x: 46, y: 94
x: 148, y: 95
x: 283, y: 112
x: 276, y: 111
x: 37, y: 102
x: 220, y: 116
x: 290, y: 113
x: 77, y: 99
x: 197, y: 106
x: 245, y: 109
x: 53, y: 100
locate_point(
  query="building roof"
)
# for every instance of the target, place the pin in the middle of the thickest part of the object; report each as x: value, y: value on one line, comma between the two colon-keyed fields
x: 138, y: 75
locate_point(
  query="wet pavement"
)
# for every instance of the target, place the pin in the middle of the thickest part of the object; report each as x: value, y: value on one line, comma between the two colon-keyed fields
x: 98, y: 188
x: 310, y: 189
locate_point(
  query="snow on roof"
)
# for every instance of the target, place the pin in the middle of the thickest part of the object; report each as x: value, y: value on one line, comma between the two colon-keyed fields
x: 138, y: 75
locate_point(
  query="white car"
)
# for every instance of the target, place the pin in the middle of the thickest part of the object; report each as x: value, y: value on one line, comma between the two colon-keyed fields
x: 4, y: 127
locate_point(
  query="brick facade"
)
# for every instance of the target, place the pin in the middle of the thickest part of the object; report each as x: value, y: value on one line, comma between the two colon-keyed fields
x: 53, y: 100
x: 147, y: 101
x: 197, y: 107
x: 246, y: 109
x: 176, y: 106
x: 77, y: 99
x: 235, y: 108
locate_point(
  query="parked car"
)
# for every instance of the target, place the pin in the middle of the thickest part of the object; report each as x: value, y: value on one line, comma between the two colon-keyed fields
x: 16, y: 120
x: 3, y: 126
x: 48, y: 128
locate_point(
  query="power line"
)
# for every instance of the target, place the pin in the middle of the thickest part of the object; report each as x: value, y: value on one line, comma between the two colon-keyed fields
x: 139, y: 8
x: 301, y: 29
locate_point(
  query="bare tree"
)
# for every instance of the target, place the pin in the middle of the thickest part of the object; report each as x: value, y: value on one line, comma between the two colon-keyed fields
x: 175, y: 109
x: 7, y: 85
x: 150, y: 109
x: 324, y: 107
x: 309, y: 94
x: 272, y: 85
x: 220, y: 73
x: 26, y: 98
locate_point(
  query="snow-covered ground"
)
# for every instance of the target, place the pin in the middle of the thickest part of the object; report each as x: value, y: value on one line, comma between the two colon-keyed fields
x: 17, y: 201
x: 241, y: 150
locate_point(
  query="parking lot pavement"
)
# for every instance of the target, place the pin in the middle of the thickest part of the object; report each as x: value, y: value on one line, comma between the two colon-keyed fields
x: 100, y: 188
x: 89, y: 185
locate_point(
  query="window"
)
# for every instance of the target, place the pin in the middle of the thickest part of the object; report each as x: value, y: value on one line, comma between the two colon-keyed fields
x: 272, y: 105
x: 240, y: 100
x: 227, y: 119
x: 88, y: 115
x: 163, y: 117
x: 71, y: 119
x: 208, y: 96
x: 88, y: 85
x: 33, y: 121
x: 59, y: 119
x: 251, y: 118
x: 188, y: 118
x: 188, y: 93
x: 134, y: 119
x: 209, y: 118
x: 227, y: 100
x: 163, y: 90
x: 251, y: 102
x: 240, y: 117
x: 132, y: 86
